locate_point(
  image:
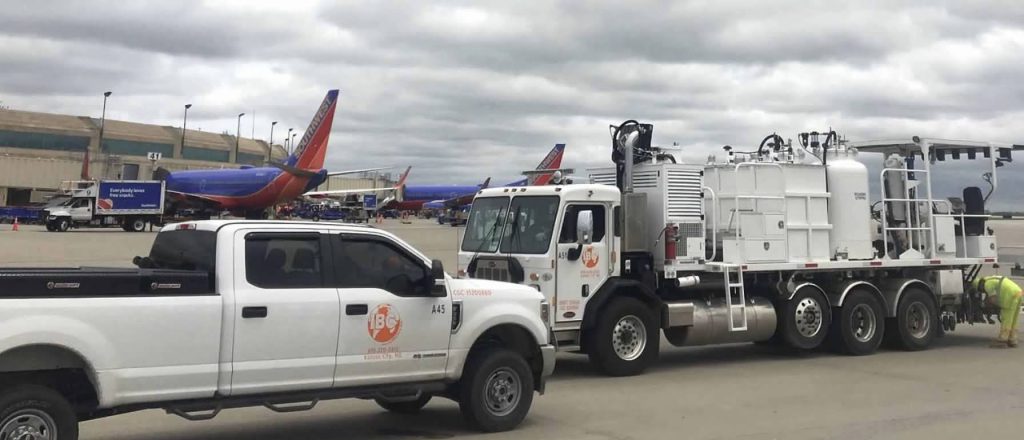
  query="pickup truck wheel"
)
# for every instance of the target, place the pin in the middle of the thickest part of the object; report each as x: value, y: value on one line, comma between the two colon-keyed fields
x: 63, y: 225
x: 138, y: 225
x: 625, y: 340
x: 31, y: 412
x: 496, y: 390
x: 404, y: 406
x: 916, y: 321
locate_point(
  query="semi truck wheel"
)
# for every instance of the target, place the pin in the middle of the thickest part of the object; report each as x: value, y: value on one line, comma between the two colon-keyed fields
x: 35, y: 412
x: 860, y: 324
x: 804, y: 320
x: 916, y: 321
x: 496, y: 390
x: 625, y: 340
x: 404, y: 406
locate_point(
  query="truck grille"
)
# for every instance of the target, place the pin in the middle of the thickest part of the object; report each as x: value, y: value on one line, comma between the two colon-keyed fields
x: 493, y: 274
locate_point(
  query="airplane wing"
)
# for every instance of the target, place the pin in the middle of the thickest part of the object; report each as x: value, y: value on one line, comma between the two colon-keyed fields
x: 364, y: 170
x: 344, y: 192
x: 194, y: 199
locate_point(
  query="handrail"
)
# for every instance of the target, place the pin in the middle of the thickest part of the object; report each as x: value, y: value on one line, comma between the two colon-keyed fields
x: 910, y: 206
x: 714, y: 225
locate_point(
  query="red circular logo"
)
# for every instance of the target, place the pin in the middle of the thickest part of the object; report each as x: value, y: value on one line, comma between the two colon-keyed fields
x: 589, y: 257
x: 384, y: 324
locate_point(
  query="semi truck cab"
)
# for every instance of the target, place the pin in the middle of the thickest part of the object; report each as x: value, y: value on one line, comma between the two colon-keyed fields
x: 560, y: 240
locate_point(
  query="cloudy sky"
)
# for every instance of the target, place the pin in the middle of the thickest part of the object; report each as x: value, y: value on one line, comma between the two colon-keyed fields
x: 463, y: 91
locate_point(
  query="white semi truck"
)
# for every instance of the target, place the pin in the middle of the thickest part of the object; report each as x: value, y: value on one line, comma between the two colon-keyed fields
x: 228, y: 314
x: 787, y: 244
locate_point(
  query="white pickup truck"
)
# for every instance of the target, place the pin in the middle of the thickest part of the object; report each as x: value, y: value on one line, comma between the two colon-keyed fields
x: 226, y: 314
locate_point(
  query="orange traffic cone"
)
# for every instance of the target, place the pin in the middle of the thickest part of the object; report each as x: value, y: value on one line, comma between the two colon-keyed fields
x: 15, y: 228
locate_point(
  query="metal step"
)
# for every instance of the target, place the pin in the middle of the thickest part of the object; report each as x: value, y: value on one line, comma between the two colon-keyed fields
x: 735, y: 288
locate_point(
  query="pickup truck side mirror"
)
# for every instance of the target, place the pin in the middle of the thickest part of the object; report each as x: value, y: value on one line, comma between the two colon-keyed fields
x: 436, y: 279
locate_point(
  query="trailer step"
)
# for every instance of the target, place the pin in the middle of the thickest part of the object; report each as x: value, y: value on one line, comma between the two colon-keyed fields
x: 734, y: 287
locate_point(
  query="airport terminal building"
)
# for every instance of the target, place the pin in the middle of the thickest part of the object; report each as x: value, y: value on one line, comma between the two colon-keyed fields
x: 40, y: 150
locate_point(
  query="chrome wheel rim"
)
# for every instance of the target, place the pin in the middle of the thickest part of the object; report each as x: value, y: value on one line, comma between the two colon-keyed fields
x: 863, y: 322
x: 502, y: 392
x: 808, y: 317
x: 629, y: 338
x: 28, y: 424
x: 918, y: 323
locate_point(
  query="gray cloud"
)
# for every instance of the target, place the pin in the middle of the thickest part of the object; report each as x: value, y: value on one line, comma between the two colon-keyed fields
x: 468, y: 90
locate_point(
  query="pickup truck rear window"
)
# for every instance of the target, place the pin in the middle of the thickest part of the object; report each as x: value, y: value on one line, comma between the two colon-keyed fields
x: 184, y: 250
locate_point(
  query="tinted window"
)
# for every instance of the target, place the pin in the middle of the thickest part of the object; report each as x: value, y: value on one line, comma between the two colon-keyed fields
x: 184, y: 250
x: 530, y: 225
x: 375, y: 263
x: 572, y: 213
x: 280, y: 262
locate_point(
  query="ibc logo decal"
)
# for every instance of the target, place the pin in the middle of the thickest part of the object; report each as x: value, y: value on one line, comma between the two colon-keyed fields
x: 384, y: 324
x: 590, y: 257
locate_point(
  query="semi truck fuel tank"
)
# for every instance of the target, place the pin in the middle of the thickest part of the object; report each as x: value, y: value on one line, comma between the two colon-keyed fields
x: 710, y: 322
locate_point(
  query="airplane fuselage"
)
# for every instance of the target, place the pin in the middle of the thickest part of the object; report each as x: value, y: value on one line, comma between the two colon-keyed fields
x: 249, y: 189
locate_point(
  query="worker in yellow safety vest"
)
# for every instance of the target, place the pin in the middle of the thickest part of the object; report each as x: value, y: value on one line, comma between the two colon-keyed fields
x: 1004, y: 294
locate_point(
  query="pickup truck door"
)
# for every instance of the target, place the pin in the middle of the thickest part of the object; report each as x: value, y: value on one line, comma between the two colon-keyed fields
x: 286, y: 317
x: 392, y: 329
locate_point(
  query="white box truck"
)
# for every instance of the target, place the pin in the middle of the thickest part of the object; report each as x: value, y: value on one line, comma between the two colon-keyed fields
x: 130, y: 204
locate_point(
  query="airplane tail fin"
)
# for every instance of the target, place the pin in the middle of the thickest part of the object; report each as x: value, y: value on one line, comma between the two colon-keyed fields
x: 486, y: 183
x: 312, y: 149
x: 552, y: 161
x: 401, y: 180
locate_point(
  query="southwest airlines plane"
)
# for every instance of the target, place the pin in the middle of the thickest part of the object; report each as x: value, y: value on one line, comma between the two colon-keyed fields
x: 416, y: 197
x: 248, y: 191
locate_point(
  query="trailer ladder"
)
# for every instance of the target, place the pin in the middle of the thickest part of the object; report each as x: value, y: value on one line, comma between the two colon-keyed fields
x: 733, y: 275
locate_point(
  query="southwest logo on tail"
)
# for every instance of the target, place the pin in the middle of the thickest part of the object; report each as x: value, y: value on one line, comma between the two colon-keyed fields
x: 250, y: 190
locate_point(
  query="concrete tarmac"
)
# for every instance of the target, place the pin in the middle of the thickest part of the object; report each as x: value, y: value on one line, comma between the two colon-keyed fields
x: 959, y: 388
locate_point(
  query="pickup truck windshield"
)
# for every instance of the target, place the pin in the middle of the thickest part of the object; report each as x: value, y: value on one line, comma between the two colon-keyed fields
x: 530, y: 224
x: 184, y: 250
x: 483, y: 231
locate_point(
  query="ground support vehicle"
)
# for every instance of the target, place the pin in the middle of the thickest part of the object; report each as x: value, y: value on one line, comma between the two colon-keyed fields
x: 226, y: 314
x: 130, y: 204
x: 783, y: 245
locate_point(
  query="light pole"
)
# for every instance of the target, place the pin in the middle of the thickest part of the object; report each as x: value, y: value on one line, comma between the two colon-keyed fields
x: 292, y: 143
x: 287, y: 142
x: 270, y: 145
x: 103, y: 117
x: 238, y: 135
x: 184, y: 122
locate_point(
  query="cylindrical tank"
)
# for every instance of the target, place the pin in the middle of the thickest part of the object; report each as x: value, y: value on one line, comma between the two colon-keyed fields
x: 711, y: 324
x: 849, y: 210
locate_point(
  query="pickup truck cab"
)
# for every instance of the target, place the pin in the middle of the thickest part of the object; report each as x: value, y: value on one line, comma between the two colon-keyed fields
x: 226, y: 314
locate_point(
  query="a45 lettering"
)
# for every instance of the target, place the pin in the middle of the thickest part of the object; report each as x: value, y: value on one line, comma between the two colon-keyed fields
x: 437, y: 309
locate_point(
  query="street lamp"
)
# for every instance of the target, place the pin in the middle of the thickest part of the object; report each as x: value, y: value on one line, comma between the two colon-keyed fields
x: 103, y: 117
x: 238, y: 135
x: 293, y: 141
x: 287, y: 140
x: 183, y: 124
x: 270, y: 146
